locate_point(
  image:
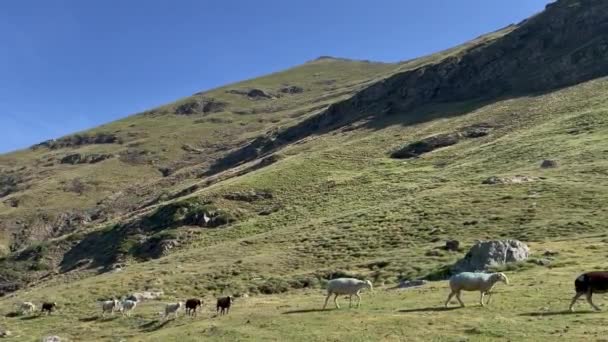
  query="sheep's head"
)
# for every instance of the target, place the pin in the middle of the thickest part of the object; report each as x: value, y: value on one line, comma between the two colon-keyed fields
x: 502, y: 277
x: 368, y: 284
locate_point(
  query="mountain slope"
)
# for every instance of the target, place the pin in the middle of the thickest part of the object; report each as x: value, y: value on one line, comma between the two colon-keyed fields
x: 285, y: 205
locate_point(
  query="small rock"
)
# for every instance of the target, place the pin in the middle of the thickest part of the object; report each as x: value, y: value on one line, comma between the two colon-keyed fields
x: 548, y: 164
x: 5, y: 333
x: 411, y: 283
x: 542, y: 262
x: 452, y: 245
x: 550, y: 253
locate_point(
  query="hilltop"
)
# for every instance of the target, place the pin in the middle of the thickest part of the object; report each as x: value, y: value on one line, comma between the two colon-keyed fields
x: 336, y: 167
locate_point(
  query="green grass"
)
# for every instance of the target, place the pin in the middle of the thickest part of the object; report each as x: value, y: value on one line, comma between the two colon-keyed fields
x: 531, y: 308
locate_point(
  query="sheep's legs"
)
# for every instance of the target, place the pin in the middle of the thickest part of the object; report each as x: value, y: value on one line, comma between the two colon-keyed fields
x: 350, y: 301
x: 589, y: 294
x: 481, y: 298
x: 336, y: 301
x: 449, y: 298
x: 459, y: 300
x: 358, y: 300
x: 326, y: 300
x: 574, y: 299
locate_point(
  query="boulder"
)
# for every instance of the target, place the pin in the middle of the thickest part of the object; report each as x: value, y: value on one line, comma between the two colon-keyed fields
x: 548, y: 164
x: 485, y: 254
x: 426, y: 145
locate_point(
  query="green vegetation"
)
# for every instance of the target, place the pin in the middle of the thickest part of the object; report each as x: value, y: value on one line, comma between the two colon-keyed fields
x: 331, y: 203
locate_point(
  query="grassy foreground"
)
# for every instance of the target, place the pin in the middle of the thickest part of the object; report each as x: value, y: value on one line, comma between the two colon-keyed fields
x: 532, y: 308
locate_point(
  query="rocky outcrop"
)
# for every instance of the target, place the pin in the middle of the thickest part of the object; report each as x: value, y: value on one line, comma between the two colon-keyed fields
x: 200, y: 105
x: 78, y: 140
x: 77, y: 158
x: 486, y: 254
x: 248, y: 196
x: 564, y: 45
x: 291, y: 90
x: 252, y: 93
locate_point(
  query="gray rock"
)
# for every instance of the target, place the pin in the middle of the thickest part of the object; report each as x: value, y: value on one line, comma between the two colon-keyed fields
x: 485, y: 254
x: 51, y: 339
x: 5, y: 333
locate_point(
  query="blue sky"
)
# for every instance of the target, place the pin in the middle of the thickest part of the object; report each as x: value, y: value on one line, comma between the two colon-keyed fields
x: 68, y: 65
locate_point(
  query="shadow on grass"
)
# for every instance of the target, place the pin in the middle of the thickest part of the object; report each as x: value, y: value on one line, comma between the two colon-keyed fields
x: 431, y: 309
x: 29, y: 318
x: 305, y: 311
x: 89, y: 319
x: 12, y: 314
x: 556, y: 313
x: 154, y: 325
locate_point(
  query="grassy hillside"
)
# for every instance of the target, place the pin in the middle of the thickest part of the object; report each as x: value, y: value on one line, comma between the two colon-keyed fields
x: 296, y: 175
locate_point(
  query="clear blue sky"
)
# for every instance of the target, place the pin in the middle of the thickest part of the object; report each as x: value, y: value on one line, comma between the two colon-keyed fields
x: 67, y: 65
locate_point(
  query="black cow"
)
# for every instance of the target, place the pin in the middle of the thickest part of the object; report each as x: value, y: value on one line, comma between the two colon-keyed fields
x: 588, y: 284
x: 48, y: 308
x: 191, y: 306
x: 223, y: 304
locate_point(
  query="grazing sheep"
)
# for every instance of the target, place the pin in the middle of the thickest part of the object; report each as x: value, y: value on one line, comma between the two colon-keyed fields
x: 27, y: 307
x: 224, y: 304
x: 173, y: 308
x: 470, y: 281
x: 127, y: 306
x: 48, y: 308
x: 588, y: 284
x: 110, y: 306
x: 191, y: 306
x: 346, y: 286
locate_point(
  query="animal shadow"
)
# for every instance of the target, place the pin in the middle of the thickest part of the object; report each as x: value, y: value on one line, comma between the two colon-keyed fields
x: 305, y: 311
x: 154, y: 325
x: 431, y: 309
x: 29, y: 318
x: 89, y: 319
x: 556, y: 313
x: 12, y: 314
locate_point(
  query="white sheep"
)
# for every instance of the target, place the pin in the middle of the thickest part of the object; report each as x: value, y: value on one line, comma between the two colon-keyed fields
x: 470, y: 281
x: 346, y: 286
x: 27, y: 307
x: 127, y: 306
x: 173, y: 308
x: 110, y: 306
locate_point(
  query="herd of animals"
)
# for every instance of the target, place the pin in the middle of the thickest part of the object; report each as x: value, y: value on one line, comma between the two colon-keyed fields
x: 586, y: 284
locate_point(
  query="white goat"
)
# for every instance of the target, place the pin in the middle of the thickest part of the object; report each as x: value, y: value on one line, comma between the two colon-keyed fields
x: 27, y: 307
x: 173, y: 308
x: 127, y: 306
x: 110, y: 306
x: 470, y: 281
x: 346, y: 286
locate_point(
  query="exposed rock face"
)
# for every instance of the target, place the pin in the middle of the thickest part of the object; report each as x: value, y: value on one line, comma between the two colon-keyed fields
x: 78, y: 140
x: 77, y: 158
x: 253, y: 93
x: 248, y: 196
x: 518, y: 179
x: 291, y: 90
x: 200, y: 105
x: 426, y: 145
x: 486, y: 254
x: 548, y: 164
x: 564, y: 45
